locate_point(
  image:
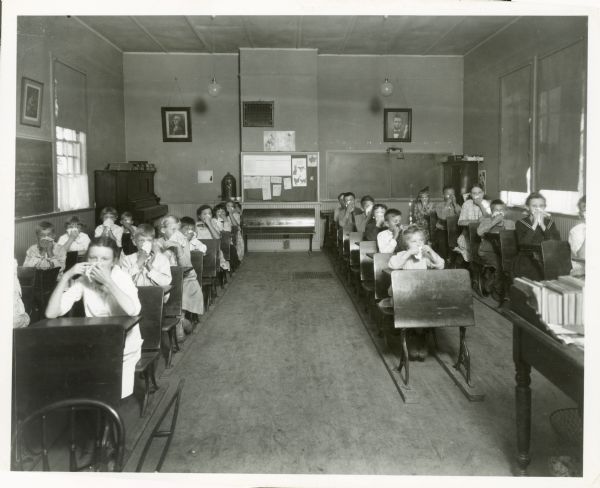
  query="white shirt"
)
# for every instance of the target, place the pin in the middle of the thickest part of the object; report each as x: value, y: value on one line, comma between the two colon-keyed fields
x: 98, y: 303
x: 577, y: 238
x: 117, y: 231
x: 386, y: 241
x: 197, y: 245
x: 80, y: 244
x: 159, y: 273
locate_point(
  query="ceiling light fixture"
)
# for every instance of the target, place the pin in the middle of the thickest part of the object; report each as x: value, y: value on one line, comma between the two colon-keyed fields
x: 213, y: 87
x: 387, y: 88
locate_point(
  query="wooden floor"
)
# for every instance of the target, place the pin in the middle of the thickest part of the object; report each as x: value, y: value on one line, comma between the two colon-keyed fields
x: 283, y: 377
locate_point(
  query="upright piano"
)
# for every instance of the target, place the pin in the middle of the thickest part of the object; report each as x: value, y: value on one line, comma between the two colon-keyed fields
x: 278, y: 221
x: 131, y: 190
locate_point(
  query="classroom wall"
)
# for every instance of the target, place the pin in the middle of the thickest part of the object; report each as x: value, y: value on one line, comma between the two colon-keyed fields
x: 512, y: 48
x: 40, y: 38
x: 350, y: 105
x: 149, y: 84
x: 289, y: 78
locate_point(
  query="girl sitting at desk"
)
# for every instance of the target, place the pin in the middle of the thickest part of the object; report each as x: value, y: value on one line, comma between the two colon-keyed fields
x: 106, y: 291
x: 537, y: 227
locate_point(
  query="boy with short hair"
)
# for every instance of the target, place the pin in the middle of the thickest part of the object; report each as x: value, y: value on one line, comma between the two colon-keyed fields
x: 46, y: 254
x: 493, y: 224
x: 367, y: 203
x: 390, y: 240
x: 347, y: 216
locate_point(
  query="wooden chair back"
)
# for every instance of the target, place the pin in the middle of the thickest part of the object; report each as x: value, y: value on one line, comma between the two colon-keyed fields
x: 346, y: 244
x: 427, y: 298
x: 508, y: 250
x: 354, y: 239
x: 452, y: 231
x: 197, y: 258
x: 366, y: 263
x: 432, y: 219
x: 474, y: 242
x: 71, y: 259
x: 56, y: 363
x: 151, y: 298
x: 556, y: 259
x: 46, y: 420
x: 26, y: 278
x: 173, y: 306
x: 127, y: 244
x: 211, y: 258
x: 226, y: 245
x: 382, y: 280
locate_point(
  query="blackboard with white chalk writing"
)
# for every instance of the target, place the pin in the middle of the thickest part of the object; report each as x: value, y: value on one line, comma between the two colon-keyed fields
x: 34, y: 191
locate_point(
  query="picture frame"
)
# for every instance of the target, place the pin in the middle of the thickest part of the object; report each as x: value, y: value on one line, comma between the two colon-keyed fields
x: 176, y: 124
x: 32, y: 93
x: 397, y: 125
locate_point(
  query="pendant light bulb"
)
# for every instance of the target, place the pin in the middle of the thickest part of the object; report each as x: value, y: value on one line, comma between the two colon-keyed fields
x: 387, y: 88
x: 214, y: 88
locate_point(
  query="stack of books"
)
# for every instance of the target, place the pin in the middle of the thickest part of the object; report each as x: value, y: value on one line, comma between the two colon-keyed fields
x: 559, y: 302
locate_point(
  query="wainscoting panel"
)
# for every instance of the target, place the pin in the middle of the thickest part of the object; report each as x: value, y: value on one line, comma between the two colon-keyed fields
x: 25, y: 229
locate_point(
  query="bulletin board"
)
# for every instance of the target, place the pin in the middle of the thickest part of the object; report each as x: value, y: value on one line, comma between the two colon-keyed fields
x: 280, y: 177
x: 383, y: 175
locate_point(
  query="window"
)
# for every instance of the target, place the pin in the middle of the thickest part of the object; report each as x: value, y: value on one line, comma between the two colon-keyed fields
x: 558, y: 168
x: 71, y: 170
x: 70, y: 118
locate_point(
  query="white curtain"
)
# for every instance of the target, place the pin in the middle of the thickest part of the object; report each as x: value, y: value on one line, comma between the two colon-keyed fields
x: 73, y: 192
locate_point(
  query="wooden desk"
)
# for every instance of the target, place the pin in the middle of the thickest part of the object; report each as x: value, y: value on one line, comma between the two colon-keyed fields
x: 68, y: 357
x: 126, y: 322
x: 559, y: 363
x: 371, y: 254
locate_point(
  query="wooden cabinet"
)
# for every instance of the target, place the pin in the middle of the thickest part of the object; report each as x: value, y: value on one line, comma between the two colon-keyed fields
x: 128, y: 190
x: 461, y: 175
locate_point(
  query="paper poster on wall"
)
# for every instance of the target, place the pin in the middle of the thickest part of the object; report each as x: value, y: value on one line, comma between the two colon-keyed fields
x: 276, y: 190
x: 205, y: 176
x: 252, y: 183
x: 287, y: 183
x: 276, y: 179
x: 267, y: 165
x: 299, y: 171
x: 279, y: 140
x: 312, y: 160
x: 266, y: 188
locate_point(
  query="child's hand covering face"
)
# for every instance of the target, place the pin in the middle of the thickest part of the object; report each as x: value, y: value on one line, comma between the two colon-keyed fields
x: 147, y: 247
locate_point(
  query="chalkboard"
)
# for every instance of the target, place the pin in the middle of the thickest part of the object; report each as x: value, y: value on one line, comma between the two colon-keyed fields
x: 34, y: 189
x: 383, y: 175
x: 261, y: 167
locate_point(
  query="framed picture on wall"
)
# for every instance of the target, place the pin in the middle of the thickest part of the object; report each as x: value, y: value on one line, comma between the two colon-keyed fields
x: 397, y: 124
x: 176, y: 124
x: 31, y: 102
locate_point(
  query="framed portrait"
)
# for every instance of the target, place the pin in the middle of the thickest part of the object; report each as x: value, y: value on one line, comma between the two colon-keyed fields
x: 31, y: 102
x: 176, y: 124
x: 397, y: 124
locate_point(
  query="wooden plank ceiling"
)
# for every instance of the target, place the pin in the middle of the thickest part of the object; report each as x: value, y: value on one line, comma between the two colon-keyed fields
x: 407, y: 35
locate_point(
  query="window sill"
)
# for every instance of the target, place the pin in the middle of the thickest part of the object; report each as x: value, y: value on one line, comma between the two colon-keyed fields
x: 52, y: 214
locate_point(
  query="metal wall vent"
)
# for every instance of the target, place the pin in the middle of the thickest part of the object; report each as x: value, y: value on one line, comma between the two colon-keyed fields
x: 258, y: 114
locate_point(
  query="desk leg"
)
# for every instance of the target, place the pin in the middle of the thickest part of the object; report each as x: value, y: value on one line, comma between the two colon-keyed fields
x: 310, y: 239
x: 464, y: 357
x: 523, y: 411
x: 404, y: 362
x: 245, y: 244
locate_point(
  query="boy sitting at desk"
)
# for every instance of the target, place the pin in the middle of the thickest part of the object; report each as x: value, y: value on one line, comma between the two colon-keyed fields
x: 390, y: 240
x: 347, y: 216
x: 493, y: 224
x: 46, y: 254
x: 148, y: 266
